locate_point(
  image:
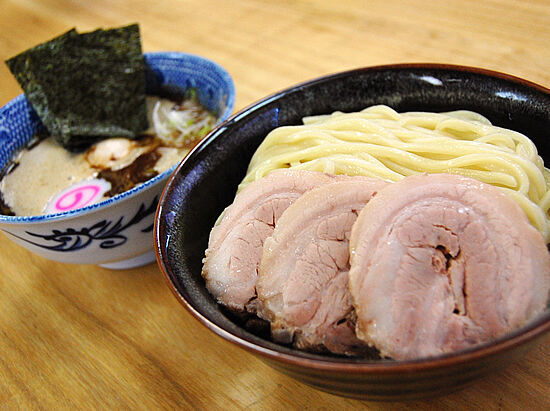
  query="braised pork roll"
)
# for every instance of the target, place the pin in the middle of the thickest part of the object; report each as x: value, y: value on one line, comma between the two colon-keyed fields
x: 440, y: 263
x: 230, y: 267
x: 303, y: 279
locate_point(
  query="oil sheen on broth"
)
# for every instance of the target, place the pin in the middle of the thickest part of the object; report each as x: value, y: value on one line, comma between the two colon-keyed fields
x: 45, y: 178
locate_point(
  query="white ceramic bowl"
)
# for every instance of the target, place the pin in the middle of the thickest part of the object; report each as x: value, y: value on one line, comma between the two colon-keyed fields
x: 115, y: 233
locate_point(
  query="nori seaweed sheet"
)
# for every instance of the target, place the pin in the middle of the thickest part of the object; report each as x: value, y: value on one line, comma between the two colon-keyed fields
x: 88, y: 86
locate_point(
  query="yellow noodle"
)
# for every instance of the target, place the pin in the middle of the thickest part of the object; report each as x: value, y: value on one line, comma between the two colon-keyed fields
x: 379, y: 142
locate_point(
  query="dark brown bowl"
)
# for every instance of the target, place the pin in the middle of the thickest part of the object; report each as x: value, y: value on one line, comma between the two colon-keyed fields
x: 206, y: 181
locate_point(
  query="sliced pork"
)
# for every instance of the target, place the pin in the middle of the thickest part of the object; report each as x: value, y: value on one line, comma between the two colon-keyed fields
x: 235, y: 245
x: 303, y: 280
x: 440, y: 263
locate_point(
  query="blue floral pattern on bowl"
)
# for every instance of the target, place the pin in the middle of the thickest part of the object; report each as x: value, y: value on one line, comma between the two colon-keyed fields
x: 108, y: 233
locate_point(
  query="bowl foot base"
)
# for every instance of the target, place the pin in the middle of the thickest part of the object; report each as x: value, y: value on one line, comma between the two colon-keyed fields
x: 134, y: 262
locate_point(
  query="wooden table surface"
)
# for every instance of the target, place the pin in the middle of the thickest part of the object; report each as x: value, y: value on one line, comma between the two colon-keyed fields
x: 74, y: 336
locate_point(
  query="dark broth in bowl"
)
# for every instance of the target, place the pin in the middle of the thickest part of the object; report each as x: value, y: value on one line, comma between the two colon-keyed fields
x: 46, y: 178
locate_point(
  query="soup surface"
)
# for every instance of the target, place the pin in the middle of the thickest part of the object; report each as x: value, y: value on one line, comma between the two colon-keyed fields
x: 45, y: 178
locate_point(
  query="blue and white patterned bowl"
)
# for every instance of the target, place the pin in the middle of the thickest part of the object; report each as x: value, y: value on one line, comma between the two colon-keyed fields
x: 115, y: 233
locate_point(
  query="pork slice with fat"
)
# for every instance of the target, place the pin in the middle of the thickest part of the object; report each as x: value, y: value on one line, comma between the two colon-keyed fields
x: 440, y: 263
x: 303, y: 279
x: 230, y: 267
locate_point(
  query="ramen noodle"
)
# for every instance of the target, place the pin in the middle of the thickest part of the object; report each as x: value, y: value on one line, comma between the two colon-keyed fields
x: 380, y: 142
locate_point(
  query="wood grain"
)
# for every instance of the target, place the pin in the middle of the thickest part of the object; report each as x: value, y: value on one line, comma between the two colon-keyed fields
x: 85, y: 337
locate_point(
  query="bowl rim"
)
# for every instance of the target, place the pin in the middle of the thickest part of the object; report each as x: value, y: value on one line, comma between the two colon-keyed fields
x: 531, y: 331
x: 148, y: 56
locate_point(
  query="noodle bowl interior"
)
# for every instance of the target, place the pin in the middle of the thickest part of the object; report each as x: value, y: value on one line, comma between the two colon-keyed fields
x: 414, y: 234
